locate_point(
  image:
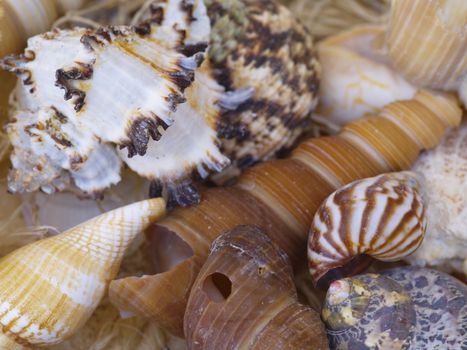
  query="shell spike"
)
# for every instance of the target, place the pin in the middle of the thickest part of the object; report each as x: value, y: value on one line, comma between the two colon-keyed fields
x: 50, y: 288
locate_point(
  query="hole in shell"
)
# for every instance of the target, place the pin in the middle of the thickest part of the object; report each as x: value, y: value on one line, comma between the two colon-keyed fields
x: 166, y: 249
x: 217, y: 287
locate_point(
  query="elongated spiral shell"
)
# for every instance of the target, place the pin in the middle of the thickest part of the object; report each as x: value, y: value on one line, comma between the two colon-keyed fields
x: 382, y: 216
x: 427, y: 42
x: 402, y: 308
x: 245, y: 297
x: 50, y: 288
x: 280, y: 197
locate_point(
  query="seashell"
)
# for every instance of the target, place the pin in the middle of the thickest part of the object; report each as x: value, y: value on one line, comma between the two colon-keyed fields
x: 445, y: 171
x: 237, y: 119
x: 382, y: 217
x: 280, y: 197
x: 244, y: 298
x: 356, y: 77
x: 50, y: 288
x: 19, y: 20
x: 402, y: 308
x: 432, y: 53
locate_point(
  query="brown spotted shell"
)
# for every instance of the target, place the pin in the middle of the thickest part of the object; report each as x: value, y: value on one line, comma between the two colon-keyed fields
x: 382, y: 216
x: 244, y: 298
x: 402, y: 308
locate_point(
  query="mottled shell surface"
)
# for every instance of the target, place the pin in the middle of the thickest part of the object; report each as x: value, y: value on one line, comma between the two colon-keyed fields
x: 402, y: 308
x: 427, y: 42
x: 356, y: 77
x: 383, y: 217
x: 50, y: 288
x: 445, y: 171
x: 245, y: 298
x: 280, y: 197
x: 261, y: 45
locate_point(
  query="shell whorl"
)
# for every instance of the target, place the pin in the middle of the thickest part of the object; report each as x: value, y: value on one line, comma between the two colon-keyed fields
x: 260, y: 278
x: 401, y: 308
x: 49, y: 289
x: 281, y: 197
x: 427, y: 41
x: 383, y: 217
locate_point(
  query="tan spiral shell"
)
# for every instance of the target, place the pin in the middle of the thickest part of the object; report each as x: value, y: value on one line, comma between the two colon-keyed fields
x: 427, y: 42
x: 382, y: 216
x: 50, y: 288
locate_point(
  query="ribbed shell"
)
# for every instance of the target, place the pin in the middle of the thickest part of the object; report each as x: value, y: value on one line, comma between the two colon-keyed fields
x: 427, y: 41
x: 401, y: 309
x: 49, y: 289
x: 260, y: 309
x: 382, y: 216
x: 281, y: 197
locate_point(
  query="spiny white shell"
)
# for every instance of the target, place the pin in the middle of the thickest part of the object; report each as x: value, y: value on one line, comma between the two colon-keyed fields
x: 445, y: 171
x: 122, y: 87
x: 356, y: 78
x: 49, y: 289
x: 382, y: 216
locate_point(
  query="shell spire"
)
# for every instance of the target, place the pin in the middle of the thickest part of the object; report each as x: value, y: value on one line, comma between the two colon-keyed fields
x: 382, y: 216
x: 50, y: 288
x: 246, y: 268
x: 280, y: 197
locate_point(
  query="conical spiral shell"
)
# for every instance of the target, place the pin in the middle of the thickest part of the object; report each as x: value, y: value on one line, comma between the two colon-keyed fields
x: 244, y: 298
x: 382, y: 216
x: 50, y: 288
x: 281, y: 197
x: 427, y: 41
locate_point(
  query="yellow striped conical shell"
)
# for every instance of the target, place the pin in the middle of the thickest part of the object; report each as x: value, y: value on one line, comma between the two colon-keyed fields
x: 427, y: 41
x: 382, y: 216
x: 50, y: 288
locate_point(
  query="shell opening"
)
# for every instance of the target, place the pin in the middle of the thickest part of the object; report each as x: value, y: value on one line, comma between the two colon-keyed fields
x: 350, y: 267
x: 217, y: 287
x: 167, y: 249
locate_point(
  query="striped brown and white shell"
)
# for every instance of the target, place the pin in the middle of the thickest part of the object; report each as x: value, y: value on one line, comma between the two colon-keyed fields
x: 427, y: 43
x: 50, y: 288
x: 382, y: 217
x: 245, y: 298
x: 399, y: 309
x: 79, y: 115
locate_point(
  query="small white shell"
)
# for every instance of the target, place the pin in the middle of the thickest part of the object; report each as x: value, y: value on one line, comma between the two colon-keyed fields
x: 445, y: 171
x: 50, y: 288
x: 382, y: 216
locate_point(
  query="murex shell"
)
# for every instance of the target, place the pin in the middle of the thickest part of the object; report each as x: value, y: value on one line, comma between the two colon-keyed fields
x: 189, y: 90
x: 383, y: 217
x: 402, y: 308
x: 50, y: 288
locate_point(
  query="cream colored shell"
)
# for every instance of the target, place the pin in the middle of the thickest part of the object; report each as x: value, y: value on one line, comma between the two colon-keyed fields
x: 427, y: 42
x: 50, y: 288
x: 382, y: 216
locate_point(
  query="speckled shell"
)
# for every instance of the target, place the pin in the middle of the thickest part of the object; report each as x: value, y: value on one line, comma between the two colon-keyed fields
x: 280, y: 197
x: 383, y: 217
x: 260, y: 44
x: 402, y: 308
x: 445, y: 171
x: 357, y: 77
x: 427, y: 42
x: 244, y: 298
x: 50, y: 288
